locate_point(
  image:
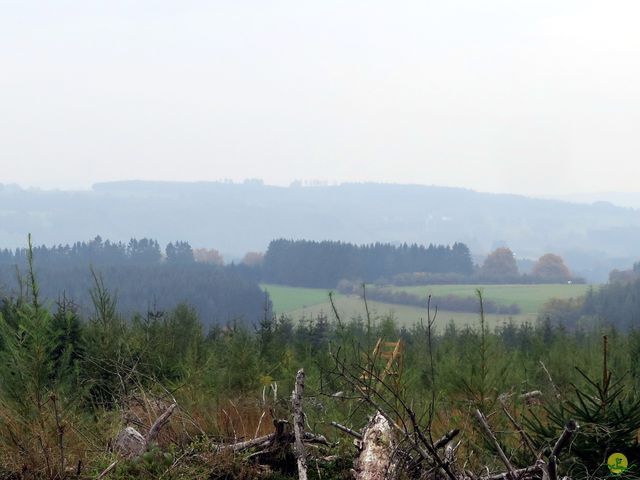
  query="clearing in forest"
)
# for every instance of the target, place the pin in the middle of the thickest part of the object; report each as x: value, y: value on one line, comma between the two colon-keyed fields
x: 308, y: 302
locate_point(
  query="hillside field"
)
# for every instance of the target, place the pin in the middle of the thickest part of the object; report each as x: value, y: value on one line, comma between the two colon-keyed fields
x: 530, y: 298
x: 306, y: 302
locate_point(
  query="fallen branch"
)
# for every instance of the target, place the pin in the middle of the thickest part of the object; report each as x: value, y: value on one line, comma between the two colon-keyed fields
x: 518, y: 427
x: 107, y: 470
x: 267, y: 440
x: 510, y: 470
x: 555, y: 387
x: 531, y: 397
x: 446, y: 438
x: 569, y: 430
x: 520, y: 473
x: 313, y: 438
x: 245, y: 445
x: 347, y: 430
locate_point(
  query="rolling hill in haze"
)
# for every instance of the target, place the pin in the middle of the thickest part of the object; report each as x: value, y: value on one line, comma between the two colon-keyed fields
x: 236, y: 218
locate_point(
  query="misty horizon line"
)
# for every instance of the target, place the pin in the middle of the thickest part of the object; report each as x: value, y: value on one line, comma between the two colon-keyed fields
x: 571, y: 197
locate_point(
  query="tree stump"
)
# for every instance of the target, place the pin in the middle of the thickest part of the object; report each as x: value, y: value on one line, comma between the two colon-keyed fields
x: 376, y: 461
x: 130, y: 443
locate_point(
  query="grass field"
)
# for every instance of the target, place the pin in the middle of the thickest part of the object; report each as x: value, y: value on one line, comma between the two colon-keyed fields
x: 304, y: 302
x: 288, y: 299
x: 528, y: 297
x: 353, y: 307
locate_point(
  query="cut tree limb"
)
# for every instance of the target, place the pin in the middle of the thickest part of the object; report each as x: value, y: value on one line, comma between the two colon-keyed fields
x: 519, y: 473
x: 570, y: 428
x: 347, y: 430
x: 298, y: 425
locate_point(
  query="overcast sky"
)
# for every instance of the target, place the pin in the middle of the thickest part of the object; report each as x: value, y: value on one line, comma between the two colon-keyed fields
x: 534, y: 97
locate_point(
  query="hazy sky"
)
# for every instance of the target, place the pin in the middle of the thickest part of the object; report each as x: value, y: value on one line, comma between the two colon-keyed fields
x: 513, y: 96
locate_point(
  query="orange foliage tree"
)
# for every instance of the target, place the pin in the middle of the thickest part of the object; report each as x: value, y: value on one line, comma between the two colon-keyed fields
x: 500, y: 263
x: 551, y: 267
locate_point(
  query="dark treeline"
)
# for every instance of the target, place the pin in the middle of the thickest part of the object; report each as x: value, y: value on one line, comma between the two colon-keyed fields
x: 141, y: 277
x: 324, y: 264
x: 616, y: 303
x: 144, y: 251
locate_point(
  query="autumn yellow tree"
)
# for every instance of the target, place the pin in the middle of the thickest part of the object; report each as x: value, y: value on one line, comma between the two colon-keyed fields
x: 253, y: 259
x: 208, y: 255
x: 551, y: 267
x: 500, y: 263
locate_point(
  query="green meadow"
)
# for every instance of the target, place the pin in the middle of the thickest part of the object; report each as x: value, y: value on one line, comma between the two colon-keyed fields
x: 350, y: 307
x: 530, y: 298
x: 288, y: 299
x: 300, y: 302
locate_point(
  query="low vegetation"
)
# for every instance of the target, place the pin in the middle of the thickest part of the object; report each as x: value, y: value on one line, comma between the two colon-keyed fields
x: 69, y: 383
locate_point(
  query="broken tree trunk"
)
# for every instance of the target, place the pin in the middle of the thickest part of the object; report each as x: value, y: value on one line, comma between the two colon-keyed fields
x: 298, y: 425
x: 130, y: 443
x: 376, y: 461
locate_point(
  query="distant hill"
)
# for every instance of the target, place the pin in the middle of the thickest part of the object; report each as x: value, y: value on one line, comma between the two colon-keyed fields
x: 622, y: 199
x: 236, y: 218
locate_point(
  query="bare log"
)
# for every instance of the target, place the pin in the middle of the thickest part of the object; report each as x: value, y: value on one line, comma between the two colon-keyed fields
x: 298, y: 425
x: 520, y: 473
x: 376, y: 458
x: 269, y: 440
x: 494, y: 440
x: 245, y: 445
